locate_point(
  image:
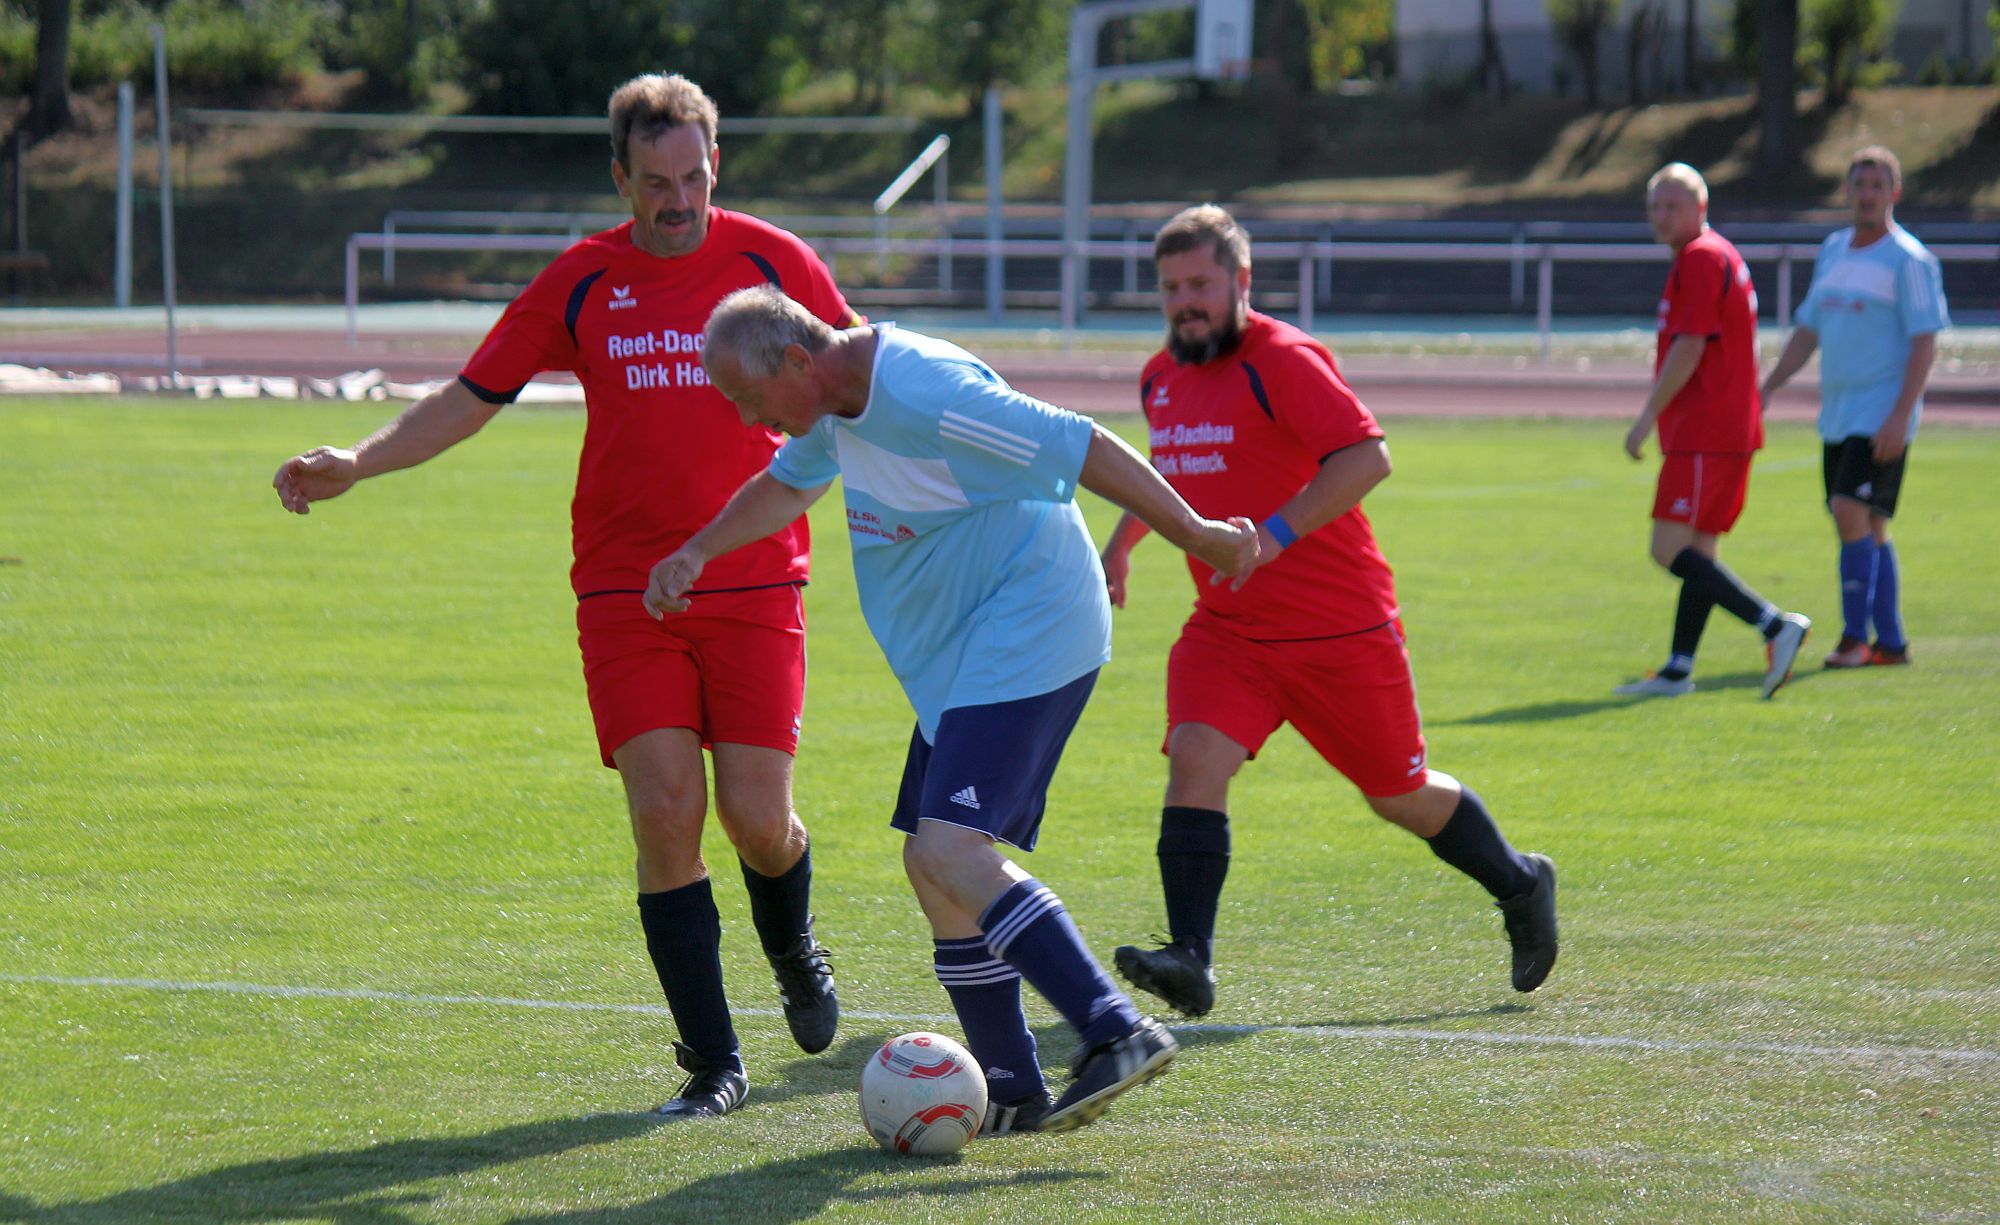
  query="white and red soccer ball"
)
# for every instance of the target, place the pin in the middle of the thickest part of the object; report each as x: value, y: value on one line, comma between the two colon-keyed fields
x: 922, y: 1094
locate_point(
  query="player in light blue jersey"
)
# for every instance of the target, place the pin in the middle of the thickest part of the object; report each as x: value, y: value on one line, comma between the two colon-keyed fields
x: 984, y: 590
x: 1874, y: 312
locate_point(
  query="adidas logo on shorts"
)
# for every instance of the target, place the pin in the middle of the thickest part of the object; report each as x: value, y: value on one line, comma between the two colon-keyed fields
x: 967, y: 798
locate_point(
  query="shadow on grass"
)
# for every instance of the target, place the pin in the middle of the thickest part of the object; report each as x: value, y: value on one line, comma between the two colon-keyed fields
x: 804, y: 1187
x: 377, y: 1185
x: 1542, y: 712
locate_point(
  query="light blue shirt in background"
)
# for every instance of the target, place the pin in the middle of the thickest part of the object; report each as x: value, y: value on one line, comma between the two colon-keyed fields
x: 1867, y: 306
x: 975, y: 571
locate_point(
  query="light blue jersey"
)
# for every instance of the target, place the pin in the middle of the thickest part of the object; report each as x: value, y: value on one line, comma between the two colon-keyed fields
x: 975, y: 571
x: 1867, y: 306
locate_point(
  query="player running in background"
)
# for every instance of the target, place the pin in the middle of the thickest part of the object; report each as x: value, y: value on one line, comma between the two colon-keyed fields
x: 980, y: 582
x: 1877, y: 301
x: 1249, y: 416
x: 1711, y: 422
x: 662, y: 451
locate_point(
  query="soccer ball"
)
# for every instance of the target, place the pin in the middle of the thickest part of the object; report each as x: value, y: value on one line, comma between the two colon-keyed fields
x: 922, y: 1094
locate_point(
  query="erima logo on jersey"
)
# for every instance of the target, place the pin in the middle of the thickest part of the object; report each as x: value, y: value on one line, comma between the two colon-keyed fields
x: 621, y: 298
x: 1160, y: 397
x: 967, y: 798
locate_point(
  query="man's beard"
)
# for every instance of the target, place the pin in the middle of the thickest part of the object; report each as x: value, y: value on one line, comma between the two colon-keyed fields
x: 1221, y: 340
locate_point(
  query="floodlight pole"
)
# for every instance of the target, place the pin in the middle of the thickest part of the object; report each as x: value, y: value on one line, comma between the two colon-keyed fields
x: 122, y: 239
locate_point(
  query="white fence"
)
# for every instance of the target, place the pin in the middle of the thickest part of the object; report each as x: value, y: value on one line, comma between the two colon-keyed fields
x: 1310, y: 257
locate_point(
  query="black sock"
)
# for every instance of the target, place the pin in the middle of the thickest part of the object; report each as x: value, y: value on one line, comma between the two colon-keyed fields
x: 1714, y: 580
x: 684, y: 938
x: 1194, y: 861
x: 1690, y: 619
x: 1474, y: 845
x: 780, y: 906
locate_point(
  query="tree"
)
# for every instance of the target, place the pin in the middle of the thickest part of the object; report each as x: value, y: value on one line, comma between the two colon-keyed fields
x: 1841, y: 31
x: 48, y: 112
x: 1777, y: 87
x: 1690, y: 44
x: 1642, y: 37
x: 1492, y: 69
x: 984, y: 43
x: 1580, y: 24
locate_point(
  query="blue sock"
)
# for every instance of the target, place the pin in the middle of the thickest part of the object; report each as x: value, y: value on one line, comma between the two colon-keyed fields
x: 1028, y: 928
x: 1888, y: 602
x: 986, y: 994
x: 1857, y: 582
x: 1474, y: 845
x: 684, y: 937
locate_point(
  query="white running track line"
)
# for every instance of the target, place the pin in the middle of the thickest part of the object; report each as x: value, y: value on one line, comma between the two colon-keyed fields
x: 1380, y: 1033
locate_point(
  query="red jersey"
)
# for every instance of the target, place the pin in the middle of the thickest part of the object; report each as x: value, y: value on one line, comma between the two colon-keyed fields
x: 1709, y: 294
x: 1241, y: 435
x: 662, y: 450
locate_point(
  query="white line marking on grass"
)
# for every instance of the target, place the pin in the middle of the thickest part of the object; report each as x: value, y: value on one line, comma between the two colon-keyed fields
x: 1372, y: 1033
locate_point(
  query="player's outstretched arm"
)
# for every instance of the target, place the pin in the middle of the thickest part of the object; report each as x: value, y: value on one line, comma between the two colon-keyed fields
x: 1799, y: 347
x: 1117, y: 557
x: 426, y: 428
x: 762, y: 506
x: 1114, y: 471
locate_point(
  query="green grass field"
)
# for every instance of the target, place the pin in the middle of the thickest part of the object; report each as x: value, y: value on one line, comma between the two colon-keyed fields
x: 315, y: 905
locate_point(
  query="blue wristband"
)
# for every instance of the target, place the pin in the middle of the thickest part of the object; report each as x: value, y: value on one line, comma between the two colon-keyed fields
x: 1281, y: 531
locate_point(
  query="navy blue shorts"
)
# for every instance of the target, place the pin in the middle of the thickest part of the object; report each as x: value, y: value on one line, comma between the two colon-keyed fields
x: 991, y: 765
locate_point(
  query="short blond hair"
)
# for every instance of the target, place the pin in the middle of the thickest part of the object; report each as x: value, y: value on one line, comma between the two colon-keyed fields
x: 1205, y: 225
x: 654, y: 103
x: 1877, y: 155
x: 1685, y: 175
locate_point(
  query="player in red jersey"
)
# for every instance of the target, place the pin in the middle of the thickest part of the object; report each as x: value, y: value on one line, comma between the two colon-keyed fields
x: 662, y: 452
x: 1710, y: 419
x: 1250, y: 416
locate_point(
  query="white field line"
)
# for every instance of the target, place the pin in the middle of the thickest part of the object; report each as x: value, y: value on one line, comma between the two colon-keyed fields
x: 1372, y: 1033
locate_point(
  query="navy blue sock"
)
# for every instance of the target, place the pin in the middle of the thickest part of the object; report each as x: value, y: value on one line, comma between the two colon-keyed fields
x: 1194, y: 861
x: 1723, y: 588
x: 1857, y: 586
x: 780, y: 905
x: 684, y: 937
x: 1888, y: 610
x: 1474, y: 845
x: 1028, y: 928
x: 986, y: 994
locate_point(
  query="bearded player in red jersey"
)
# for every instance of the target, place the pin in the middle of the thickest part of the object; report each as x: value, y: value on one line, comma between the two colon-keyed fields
x: 1711, y: 422
x: 662, y: 451
x: 1250, y: 416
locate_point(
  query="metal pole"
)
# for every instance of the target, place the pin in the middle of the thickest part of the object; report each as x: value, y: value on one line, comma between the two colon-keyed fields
x: 995, y: 165
x: 1545, y: 293
x: 1306, y: 291
x: 1083, y: 27
x: 166, y: 196
x: 16, y: 277
x: 943, y: 184
x: 121, y: 276
x: 1784, y: 286
x: 1519, y: 282
x: 389, y: 249
x: 353, y: 284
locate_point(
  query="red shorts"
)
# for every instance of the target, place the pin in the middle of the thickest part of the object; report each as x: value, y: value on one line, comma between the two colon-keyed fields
x: 732, y: 667
x: 1703, y: 488
x: 1351, y: 697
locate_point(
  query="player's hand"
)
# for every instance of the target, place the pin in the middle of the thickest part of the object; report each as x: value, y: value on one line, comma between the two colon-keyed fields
x: 666, y: 587
x: 1635, y: 439
x: 1117, y: 568
x: 1231, y: 548
x: 1890, y: 440
x: 319, y: 474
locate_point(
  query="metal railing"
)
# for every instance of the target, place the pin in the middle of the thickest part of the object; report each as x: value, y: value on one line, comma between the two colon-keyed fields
x: 1309, y: 257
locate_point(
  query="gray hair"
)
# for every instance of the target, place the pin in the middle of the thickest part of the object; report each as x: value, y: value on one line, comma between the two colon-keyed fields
x: 755, y: 325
